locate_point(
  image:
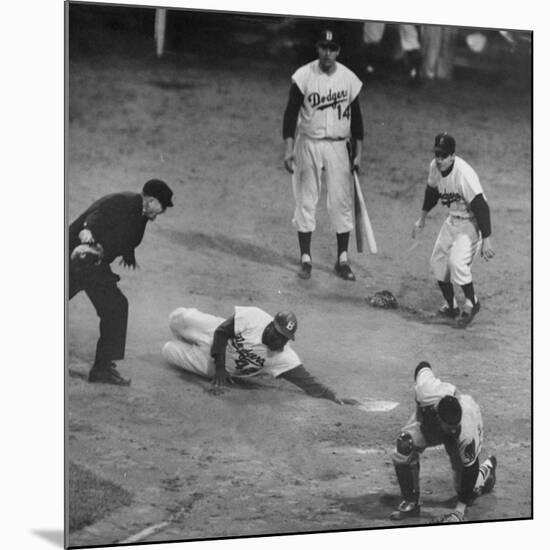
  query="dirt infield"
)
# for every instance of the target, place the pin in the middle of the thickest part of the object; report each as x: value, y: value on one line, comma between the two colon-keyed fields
x: 267, y: 458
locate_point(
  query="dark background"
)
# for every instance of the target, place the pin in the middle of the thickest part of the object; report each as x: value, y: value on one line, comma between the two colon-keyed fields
x: 99, y: 29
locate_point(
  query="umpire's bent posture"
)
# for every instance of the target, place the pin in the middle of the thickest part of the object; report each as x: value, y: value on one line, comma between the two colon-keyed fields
x: 116, y: 222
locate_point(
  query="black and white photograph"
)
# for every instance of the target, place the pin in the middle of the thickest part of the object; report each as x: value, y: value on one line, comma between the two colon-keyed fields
x: 298, y: 261
x: 299, y: 265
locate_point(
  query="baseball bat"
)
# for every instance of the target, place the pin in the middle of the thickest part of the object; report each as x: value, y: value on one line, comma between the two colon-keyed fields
x: 363, y: 227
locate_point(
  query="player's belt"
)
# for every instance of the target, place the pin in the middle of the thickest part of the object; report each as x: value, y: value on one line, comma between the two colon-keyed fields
x: 328, y: 139
x: 459, y: 217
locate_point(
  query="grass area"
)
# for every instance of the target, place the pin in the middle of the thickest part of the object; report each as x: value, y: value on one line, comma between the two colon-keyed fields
x: 92, y: 498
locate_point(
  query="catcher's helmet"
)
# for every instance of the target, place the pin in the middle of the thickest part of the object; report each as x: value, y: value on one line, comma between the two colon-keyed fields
x: 286, y: 324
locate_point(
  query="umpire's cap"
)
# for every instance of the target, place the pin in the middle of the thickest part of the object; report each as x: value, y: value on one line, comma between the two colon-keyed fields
x: 160, y: 191
x: 286, y: 324
x: 449, y: 410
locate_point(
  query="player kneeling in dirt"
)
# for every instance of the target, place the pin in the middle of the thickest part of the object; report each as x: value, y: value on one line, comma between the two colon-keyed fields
x: 443, y: 417
x: 253, y: 342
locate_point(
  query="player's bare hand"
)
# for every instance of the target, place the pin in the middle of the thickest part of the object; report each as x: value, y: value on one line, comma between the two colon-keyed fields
x: 289, y: 162
x: 347, y: 401
x: 214, y: 390
x: 418, y: 227
x: 487, y: 251
x: 86, y: 237
x: 220, y: 381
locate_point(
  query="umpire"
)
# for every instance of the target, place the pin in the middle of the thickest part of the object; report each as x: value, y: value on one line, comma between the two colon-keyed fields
x: 116, y: 222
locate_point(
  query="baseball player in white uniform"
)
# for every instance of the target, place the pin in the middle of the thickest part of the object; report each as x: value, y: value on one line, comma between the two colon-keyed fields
x: 465, y: 232
x: 322, y: 113
x: 249, y: 343
x: 443, y: 416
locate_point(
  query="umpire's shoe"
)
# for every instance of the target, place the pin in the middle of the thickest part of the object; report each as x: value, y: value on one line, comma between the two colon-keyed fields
x: 406, y: 509
x: 107, y: 374
x: 468, y: 314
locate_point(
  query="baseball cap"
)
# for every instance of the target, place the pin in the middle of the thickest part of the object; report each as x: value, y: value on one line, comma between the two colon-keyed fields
x: 444, y: 143
x: 286, y: 324
x: 449, y: 410
x: 327, y: 37
x: 160, y: 191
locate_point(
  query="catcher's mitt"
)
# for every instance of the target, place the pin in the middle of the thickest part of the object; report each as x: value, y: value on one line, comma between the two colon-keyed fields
x: 86, y: 255
x: 450, y: 517
x: 384, y: 299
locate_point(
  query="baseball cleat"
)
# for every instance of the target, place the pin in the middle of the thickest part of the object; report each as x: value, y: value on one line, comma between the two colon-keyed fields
x: 343, y: 270
x: 449, y: 312
x: 305, y: 271
x: 491, y: 464
x: 406, y: 509
x: 467, y: 315
x: 107, y: 375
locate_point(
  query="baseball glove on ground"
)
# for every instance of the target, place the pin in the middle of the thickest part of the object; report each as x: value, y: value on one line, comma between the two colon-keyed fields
x: 86, y: 255
x: 384, y: 299
x: 451, y: 517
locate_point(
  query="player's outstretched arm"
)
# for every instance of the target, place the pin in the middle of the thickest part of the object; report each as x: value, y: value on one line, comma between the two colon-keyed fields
x: 300, y: 377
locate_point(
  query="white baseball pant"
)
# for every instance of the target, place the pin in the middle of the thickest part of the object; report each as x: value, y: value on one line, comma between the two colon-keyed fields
x: 194, y: 333
x: 313, y: 158
x: 457, y: 244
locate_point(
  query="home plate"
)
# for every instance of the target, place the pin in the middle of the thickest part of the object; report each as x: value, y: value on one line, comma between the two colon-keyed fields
x: 377, y: 406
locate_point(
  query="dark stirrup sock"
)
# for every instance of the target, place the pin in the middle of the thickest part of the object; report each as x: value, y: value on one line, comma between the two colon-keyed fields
x: 304, y: 241
x: 342, y: 242
x: 448, y: 292
x: 469, y: 293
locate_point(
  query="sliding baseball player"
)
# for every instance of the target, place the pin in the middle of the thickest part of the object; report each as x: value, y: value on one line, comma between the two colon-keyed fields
x: 249, y: 343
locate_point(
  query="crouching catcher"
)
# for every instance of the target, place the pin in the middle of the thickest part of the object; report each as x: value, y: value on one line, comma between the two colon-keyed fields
x: 443, y: 416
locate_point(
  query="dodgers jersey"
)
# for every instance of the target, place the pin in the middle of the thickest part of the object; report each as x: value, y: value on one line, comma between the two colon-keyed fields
x: 247, y: 355
x: 429, y: 390
x: 457, y: 189
x: 326, y: 111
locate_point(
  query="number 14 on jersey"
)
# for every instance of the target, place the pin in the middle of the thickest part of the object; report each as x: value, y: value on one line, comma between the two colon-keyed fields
x: 345, y: 114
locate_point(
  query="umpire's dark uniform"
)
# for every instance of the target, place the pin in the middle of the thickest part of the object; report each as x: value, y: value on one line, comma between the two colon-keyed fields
x: 117, y: 222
